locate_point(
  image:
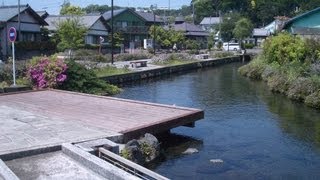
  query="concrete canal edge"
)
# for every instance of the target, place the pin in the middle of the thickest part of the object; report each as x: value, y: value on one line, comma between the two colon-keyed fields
x: 136, y: 76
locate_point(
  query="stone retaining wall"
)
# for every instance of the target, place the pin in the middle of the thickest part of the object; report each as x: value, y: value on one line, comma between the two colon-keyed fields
x: 135, y: 76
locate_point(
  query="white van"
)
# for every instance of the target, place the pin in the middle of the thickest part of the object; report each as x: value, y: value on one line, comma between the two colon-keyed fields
x: 231, y: 46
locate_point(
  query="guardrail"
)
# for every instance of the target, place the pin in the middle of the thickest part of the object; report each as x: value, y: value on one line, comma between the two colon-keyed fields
x: 129, y: 166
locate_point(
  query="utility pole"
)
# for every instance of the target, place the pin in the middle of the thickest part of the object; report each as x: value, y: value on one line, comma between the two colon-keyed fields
x: 193, y: 12
x: 19, y: 22
x: 154, y: 30
x: 220, y: 21
x: 112, y: 43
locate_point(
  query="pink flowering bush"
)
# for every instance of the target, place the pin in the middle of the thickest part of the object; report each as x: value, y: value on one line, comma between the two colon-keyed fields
x: 47, y: 73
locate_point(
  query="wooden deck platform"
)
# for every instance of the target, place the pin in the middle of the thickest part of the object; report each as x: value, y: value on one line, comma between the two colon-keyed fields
x: 130, y: 118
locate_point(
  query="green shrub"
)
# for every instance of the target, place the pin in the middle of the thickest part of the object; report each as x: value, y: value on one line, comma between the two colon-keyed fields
x: 284, y: 48
x: 313, y: 100
x: 126, y: 154
x: 192, y: 45
x: 3, y: 84
x: 268, y: 72
x: 254, y: 69
x: 300, y: 88
x: 313, y: 49
x: 248, y: 46
x: 6, y: 71
x: 278, y: 83
x: 84, y: 80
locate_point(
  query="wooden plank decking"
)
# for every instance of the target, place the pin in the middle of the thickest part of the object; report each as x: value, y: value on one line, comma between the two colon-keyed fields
x: 131, y: 118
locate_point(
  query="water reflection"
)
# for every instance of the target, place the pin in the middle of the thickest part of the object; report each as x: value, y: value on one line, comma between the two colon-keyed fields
x: 295, y: 119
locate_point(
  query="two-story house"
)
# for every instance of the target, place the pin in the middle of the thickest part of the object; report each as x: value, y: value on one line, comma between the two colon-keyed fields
x: 28, y: 25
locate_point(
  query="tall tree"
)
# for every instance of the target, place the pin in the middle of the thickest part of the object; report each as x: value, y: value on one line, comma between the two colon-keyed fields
x: 243, y: 29
x: 203, y: 8
x: 70, y: 34
x: 228, y: 24
x: 95, y: 8
x: 68, y: 9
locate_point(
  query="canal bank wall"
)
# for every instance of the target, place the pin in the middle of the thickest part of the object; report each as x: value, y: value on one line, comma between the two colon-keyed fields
x: 152, y: 73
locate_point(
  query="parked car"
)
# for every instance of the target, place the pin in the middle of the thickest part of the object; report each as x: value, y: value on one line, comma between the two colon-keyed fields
x: 231, y: 46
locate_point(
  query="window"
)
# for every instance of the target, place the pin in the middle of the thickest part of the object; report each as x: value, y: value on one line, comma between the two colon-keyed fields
x: 124, y: 24
x: 27, y: 36
x: 137, y: 38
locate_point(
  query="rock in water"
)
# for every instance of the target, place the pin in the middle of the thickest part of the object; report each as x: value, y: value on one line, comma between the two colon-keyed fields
x: 150, y: 147
x: 143, y: 150
x: 190, y: 151
x: 216, y: 161
x: 133, y: 150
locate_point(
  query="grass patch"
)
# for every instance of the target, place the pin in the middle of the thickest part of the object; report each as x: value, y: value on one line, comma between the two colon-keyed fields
x: 174, y: 62
x: 110, y: 71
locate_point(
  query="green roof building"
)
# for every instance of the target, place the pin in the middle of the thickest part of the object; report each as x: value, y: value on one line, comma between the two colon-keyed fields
x: 306, y: 24
x: 134, y: 27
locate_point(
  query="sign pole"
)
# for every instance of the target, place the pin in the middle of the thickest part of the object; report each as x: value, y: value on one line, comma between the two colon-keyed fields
x: 13, y: 64
x: 12, y: 36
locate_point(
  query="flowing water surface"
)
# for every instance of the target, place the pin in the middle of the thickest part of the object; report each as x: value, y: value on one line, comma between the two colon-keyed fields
x: 257, y: 134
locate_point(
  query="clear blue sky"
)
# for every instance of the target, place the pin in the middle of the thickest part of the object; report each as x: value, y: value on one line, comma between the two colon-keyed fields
x: 53, y: 6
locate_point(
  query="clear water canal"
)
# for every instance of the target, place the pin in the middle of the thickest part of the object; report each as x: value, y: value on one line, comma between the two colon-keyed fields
x: 257, y: 134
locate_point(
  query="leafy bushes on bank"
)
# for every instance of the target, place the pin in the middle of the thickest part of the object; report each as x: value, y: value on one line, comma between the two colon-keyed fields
x: 313, y: 100
x: 290, y: 65
x: 284, y: 49
x: 254, y: 70
x: 85, y: 80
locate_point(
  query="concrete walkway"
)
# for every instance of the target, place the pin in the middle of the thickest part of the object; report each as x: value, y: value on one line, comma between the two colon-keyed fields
x: 54, y: 166
x: 22, y: 130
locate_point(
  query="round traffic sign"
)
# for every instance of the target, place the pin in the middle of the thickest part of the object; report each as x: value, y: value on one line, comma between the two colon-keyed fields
x: 12, y: 34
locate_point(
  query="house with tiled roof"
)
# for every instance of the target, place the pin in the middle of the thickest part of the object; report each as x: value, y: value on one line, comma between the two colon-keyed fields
x: 150, y: 18
x: 130, y: 25
x: 306, y: 24
x: 192, y: 32
x: 30, y: 25
x: 210, y: 24
x: 95, y: 23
